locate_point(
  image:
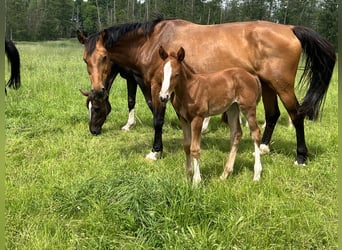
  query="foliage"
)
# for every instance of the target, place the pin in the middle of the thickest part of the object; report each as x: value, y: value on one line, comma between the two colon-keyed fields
x: 67, y: 189
x: 46, y: 20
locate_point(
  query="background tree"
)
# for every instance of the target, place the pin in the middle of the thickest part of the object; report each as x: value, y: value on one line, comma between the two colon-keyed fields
x: 48, y: 19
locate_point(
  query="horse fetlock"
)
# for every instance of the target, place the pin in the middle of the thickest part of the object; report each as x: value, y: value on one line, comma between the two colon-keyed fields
x: 264, y: 149
x: 128, y: 126
x: 153, y: 155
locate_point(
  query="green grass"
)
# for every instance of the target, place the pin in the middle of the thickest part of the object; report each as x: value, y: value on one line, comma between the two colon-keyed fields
x: 67, y: 189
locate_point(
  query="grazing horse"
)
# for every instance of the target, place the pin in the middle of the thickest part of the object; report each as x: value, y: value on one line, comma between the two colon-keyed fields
x: 98, y: 102
x: 269, y: 50
x: 196, y: 96
x: 12, y: 54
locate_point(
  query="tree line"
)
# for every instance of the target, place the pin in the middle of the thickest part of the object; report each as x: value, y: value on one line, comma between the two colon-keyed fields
x: 35, y: 20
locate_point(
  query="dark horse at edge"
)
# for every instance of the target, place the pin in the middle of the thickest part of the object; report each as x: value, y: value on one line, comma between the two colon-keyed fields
x: 12, y: 54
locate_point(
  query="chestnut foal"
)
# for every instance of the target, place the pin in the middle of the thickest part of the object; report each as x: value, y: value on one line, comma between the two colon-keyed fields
x: 197, y: 96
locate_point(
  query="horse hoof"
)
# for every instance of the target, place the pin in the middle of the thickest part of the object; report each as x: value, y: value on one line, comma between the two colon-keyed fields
x: 127, y: 127
x: 300, y: 164
x: 256, y: 178
x: 153, y: 156
x: 264, y: 149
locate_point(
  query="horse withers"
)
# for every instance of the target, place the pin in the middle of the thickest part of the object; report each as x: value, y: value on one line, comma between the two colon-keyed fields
x: 197, y: 96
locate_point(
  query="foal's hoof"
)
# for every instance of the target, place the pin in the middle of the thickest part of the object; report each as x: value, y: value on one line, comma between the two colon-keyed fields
x: 153, y: 156
x: 264, y: 149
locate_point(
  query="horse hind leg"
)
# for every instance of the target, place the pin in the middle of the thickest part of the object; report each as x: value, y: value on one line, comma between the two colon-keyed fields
x: 235, y: 137
x: 131, y: 91
x: 256, y: 135
x: 272, y: 113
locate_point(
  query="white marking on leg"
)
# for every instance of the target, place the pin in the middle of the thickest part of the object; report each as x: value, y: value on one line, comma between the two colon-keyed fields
x: 257, y: 163
x: 130, y: 122
x: 153, y: 156
x: 205, y: 125
x: 264, y: 149
x: 89, y: 109
x: 301, y: 165
x: 165, y: 92
x: 197, y: 175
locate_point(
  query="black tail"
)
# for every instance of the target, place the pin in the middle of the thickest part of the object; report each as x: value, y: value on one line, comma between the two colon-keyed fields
x: 14, y: 58
x: 319, y: 65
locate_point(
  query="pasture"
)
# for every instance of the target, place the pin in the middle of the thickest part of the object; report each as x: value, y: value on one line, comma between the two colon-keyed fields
x: 67, y: 189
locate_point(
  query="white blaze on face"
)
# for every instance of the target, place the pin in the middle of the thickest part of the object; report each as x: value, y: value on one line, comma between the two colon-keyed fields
x: 166, y: 80
x: 89, y: 109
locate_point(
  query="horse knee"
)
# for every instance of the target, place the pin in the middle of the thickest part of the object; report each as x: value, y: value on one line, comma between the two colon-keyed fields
x: 131, y: 103
x: 195, y: 152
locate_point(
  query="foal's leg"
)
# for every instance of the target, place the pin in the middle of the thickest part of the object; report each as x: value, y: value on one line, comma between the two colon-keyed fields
x: 132, y: 91
x: 195, y: 148
x: 272, y: 113
x: 255, y: 134
x: 205, y: 125
x: 186, y: 146
x: 235, y: 136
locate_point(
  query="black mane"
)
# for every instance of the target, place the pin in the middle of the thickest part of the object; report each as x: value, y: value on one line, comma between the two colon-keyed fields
x: 114, y: 33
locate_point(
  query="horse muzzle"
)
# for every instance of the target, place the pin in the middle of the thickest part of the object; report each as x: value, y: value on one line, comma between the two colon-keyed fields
x: 164, y: 98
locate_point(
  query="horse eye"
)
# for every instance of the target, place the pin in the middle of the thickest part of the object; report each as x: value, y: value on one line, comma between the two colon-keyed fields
x: 104, y: 58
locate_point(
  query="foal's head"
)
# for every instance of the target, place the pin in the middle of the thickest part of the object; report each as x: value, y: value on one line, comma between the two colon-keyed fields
x: 172, y: 72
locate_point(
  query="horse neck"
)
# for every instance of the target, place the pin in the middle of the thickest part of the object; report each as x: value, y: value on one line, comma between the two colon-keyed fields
x: 187, y: 77
x: 126, y: 52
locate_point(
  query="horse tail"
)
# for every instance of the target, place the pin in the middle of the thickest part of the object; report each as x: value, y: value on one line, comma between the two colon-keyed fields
x: 13, y: 56
x: 319, y: 65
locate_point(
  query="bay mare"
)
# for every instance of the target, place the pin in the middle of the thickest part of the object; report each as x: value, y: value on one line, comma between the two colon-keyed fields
x: 13, y: 57
x: 269, y: 50
x: 98, y: 103
x: 197, y: 96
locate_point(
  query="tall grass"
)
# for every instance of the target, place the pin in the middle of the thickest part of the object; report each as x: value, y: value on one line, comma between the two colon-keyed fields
x: 67, y: 189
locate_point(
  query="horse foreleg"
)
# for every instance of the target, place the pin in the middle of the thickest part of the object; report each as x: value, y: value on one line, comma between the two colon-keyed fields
x: 186, y: 146
x: 195, y: 148
x: 235, y: 137
x: 158, y: 122
x: 272, y: 113
x: 131, y: 91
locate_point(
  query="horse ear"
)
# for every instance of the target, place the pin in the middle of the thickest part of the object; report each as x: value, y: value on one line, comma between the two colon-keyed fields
x: 84, y: 92
x: 81, y: 38
x: 181, y: 54
x: 162, y: 53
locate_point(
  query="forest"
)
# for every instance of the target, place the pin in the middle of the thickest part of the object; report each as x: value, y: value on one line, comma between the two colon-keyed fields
x: 38, y: 20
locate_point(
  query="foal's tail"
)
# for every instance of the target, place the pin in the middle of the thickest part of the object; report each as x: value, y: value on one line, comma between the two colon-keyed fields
x: 13, y: 57
x: 319, y: 65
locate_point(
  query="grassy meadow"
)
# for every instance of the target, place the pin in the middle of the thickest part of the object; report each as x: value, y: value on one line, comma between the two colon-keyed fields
x: 67, y: 189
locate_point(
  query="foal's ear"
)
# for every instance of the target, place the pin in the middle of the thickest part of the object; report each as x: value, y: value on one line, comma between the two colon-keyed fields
x: 162, y: 53
x: 180, y: 54
x: 81, y: 38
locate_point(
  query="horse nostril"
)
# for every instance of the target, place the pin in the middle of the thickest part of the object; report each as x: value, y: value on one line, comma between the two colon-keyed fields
x: 96, y: 131
x: 164, y: 99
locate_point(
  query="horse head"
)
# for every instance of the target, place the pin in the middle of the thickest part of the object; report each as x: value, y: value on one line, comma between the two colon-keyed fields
x: 96, y: 58
x: 102, y: 73
x: 172, y: 72
x: 99, y: 107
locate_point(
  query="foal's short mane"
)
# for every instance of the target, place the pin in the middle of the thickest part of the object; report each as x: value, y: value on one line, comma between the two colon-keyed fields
x: 116, y: 32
